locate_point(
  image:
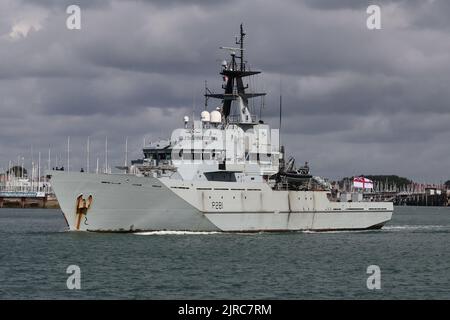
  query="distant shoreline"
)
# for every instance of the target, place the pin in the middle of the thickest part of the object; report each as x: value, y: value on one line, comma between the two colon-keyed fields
x: 30, y: 204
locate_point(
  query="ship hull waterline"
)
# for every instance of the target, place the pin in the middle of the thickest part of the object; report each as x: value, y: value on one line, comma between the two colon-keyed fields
x: 128, y: 203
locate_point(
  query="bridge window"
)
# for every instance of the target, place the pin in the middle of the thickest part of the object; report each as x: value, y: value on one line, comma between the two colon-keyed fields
x: 197, y: 156
x: 187, y: 156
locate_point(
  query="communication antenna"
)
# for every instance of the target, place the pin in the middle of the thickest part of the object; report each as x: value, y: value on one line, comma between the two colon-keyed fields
x: 49, y: 158
x: 193, y: 108
x: 263, y: 101
x: 241, y: 43
x: 206, y: 92
x: 261, y: 107
x: 232, y: 51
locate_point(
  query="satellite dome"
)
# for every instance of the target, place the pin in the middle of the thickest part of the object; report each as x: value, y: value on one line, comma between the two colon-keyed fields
x: 216, y: 117
x: 205, y: 116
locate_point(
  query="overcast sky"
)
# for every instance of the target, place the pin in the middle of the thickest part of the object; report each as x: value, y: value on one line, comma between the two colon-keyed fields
x: 354, y: 100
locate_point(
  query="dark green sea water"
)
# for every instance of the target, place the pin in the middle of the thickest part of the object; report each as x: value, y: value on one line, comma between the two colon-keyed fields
x: 412, y: 252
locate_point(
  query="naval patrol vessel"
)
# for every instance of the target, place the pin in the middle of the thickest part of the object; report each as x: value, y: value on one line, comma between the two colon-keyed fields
x: 224, y: 172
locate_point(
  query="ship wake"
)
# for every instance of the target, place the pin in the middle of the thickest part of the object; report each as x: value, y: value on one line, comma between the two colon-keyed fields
x: 417, y: 228
x: 177, y: 233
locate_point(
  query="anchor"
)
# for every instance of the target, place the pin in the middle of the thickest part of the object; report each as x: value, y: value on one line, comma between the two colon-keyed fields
x: 82, y: 206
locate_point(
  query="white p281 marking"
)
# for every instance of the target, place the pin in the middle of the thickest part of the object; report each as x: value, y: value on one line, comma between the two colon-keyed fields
x: 218, y: 205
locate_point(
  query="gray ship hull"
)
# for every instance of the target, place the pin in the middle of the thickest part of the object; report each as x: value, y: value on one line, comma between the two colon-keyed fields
x: 128, y: 203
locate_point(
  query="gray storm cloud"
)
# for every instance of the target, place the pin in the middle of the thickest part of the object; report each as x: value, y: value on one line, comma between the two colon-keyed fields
x: 355, y: 101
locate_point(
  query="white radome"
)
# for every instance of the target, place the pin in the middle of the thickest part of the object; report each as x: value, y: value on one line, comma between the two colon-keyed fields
x: 205, y: 116
x: 216, y: 117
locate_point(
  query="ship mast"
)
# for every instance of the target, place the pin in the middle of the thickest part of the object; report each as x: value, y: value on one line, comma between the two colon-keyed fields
x: 234, y: 89
x: 241, y: 43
